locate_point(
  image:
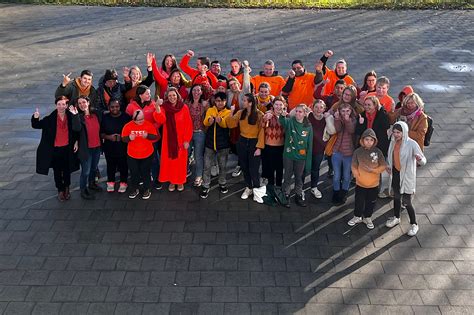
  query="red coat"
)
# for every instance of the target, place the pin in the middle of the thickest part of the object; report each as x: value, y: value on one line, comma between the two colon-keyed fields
x: 195, y: 75
x: 175, y: 170
x: 164, y: 83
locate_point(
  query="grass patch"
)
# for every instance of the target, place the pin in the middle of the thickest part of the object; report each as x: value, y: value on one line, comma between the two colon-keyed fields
x: 290, y: 4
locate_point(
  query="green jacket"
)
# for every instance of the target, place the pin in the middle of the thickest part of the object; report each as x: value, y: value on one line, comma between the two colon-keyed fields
x: 298, y: 140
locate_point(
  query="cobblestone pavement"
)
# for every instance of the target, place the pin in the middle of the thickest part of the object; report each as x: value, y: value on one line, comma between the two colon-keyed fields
x: 176, y: 253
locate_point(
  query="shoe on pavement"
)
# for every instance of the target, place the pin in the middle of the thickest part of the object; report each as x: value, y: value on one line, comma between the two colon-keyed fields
x: 146, y: 194
x: 204, y: 193
x: 247, y: 192
x: 355, y: 220
x: 122, y: 187
x: 172, y: 187
x: 391, y: 222
x: 180, y: 187
x: 299, y: 200
x: 368, y: 222
x: 134, y: 194
x: 86, y: 194
x: 413, y: 230
x: 316, y: 193
x: 95, y: 187
x: 197, y: 182
x: 383, y: 194
x: 223, y: 189
x: 110, y: 187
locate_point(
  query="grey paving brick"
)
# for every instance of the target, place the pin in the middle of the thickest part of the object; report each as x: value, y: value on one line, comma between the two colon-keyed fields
x: 119, y: 294
x: 172, y: 294
x: 129, y: 308
x: 74, y: 308
x: 46, y: 308
x: 41, y: 293
x: 162, y: 278
x: 93, y: 294
x: 19, y: 308
x: 101, y: 308
x: 67, y: 293
x: 146, y: 294
x: 198, y: 294
x: 14, y: 293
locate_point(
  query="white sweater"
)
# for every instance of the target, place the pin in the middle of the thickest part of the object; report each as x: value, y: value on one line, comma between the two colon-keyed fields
x: 408, y: 151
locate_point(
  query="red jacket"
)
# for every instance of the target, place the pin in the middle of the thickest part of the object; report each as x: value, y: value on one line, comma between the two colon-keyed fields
x: 195, y: 75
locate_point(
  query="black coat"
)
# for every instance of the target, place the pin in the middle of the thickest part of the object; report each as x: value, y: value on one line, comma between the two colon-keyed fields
x: 117, y: 92
x: 44, y: 153
x: 80, y: 128
x: 380, y: 126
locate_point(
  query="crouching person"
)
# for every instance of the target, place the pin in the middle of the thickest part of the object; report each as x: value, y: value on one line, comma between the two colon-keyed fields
x: 217, y: 143
x: 367, y: 164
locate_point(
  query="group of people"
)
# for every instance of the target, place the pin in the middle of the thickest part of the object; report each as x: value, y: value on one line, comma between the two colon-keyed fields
x: 198, y: 116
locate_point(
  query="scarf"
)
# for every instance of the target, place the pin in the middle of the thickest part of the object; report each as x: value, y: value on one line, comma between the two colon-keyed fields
x: 82, y: 91
x: 410, y: 115
x: 172, y: 135
x: 370, y: 119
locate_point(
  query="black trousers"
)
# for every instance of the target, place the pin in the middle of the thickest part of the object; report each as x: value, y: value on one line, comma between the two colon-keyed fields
x: 249, y: 163
x: 399, y: 198
x: 272, y: 164
x: 365, y: 201
x: 62, y: 172
x: 140, y: 171
x: 115, y: 164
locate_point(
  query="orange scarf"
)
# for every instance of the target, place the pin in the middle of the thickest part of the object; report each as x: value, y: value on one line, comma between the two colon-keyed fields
x: 82, y: 91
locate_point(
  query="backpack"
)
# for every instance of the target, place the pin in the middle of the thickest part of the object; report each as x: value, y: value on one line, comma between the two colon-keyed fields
x: 429, y: 131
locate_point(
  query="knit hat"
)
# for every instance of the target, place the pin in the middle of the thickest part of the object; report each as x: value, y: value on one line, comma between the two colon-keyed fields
x: 222, y: 83
x: 406, y: 90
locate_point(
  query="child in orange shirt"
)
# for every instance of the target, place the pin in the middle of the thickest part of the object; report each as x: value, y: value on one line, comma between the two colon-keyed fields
x: 381, y: 91
x: 367, y: 164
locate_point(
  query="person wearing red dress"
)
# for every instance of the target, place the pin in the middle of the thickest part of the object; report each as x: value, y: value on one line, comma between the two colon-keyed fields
x: 174, y: 115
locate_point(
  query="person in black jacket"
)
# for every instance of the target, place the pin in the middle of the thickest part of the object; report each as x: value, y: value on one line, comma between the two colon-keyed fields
x: 73, y: 88
x: 57, y: 146
x: 109, y: 88
x: 375, y: 117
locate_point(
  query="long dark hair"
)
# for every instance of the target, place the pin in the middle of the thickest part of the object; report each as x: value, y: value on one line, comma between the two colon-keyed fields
x: 181, y: 82
x: 253, y: 116
x: 91, y: 108
x: 191, y: 97
x: 163, y: 65
x: 140, y: 90
x: 372, y: 73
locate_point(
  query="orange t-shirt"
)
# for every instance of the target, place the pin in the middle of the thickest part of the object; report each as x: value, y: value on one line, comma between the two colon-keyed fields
x: 396, y: 156
x: 276, y: 83
x: 139, y: 148
x: 332, y: 77
x: 386, y: 101
x: 302, y: 92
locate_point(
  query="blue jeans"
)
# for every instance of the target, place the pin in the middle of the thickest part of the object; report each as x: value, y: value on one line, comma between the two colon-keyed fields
x: 342, y: 169
x: 197, y: 144
x: 88, y: 167
x: 315, y: 166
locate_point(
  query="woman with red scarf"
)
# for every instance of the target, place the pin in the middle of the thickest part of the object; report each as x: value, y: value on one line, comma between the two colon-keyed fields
x: 177, y: 133
x: 412, y: 112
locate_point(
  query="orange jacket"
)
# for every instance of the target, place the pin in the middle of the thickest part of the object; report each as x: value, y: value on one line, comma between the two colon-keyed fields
x: 332, y: 77
x: 276, y: 83
x: 302, y: 91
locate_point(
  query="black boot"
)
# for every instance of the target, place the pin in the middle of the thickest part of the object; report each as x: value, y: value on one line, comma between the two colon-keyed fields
x: 299, y: 200
x: 86, y: 194
x: 343, y: 196
x: 93, y: 186
x: 335, y: 197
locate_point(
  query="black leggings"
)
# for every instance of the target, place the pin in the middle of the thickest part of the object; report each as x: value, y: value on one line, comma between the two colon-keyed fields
x: 140, y: 171
x: 60, y: 163
x: 399, y: 198
x: 365, y: 201
x: 249, y: 163
x: 115, y: 164
x: 272, y: 164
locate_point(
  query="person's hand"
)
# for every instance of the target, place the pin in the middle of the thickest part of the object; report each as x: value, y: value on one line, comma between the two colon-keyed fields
x: 326, y: 114
x: 245, y: 63
x: 132, y: 136
x: 257, y: 152
x: 75, y: 147
x: 218, y: 119
x: 319, y: 66
x: 389, y: 170
x: 232, y: 109
x: 66, y: 79
x: 291, y: 74
x: 36, y: 114
x: 190, y: 53
x: 328, y: 53
x: 186, y: 145
x: 144, y: 134
x: 267, y: 116
x: 284, y: 113
x: 367, y: 168
x: 158, y: 105
x: 73, y: 109
x: 418, y: 157
x: 126, y: 72
x: 211, y: 120
x: 361, y: 119
x: 149, y: 59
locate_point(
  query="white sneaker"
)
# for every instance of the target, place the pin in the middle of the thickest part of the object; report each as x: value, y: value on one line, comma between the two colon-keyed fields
x: 413, y: 230
x: 247, y: 192
x: 391, y: 222
x: 258, y: 193
x: 368, y: 222
x: 214, y: 170
x: 123, y: 187
x: 237, y: 171
x: 316, y: 193
x: 355, y: 220
x: 383, y: 194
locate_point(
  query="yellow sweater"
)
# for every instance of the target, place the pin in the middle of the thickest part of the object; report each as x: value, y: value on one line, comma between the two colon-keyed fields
x: 246, y: 130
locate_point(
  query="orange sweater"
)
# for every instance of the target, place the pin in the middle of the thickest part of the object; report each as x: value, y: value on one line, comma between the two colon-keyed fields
x: 246, y: 130
x: 276, y: 83
x: 302, y: 91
